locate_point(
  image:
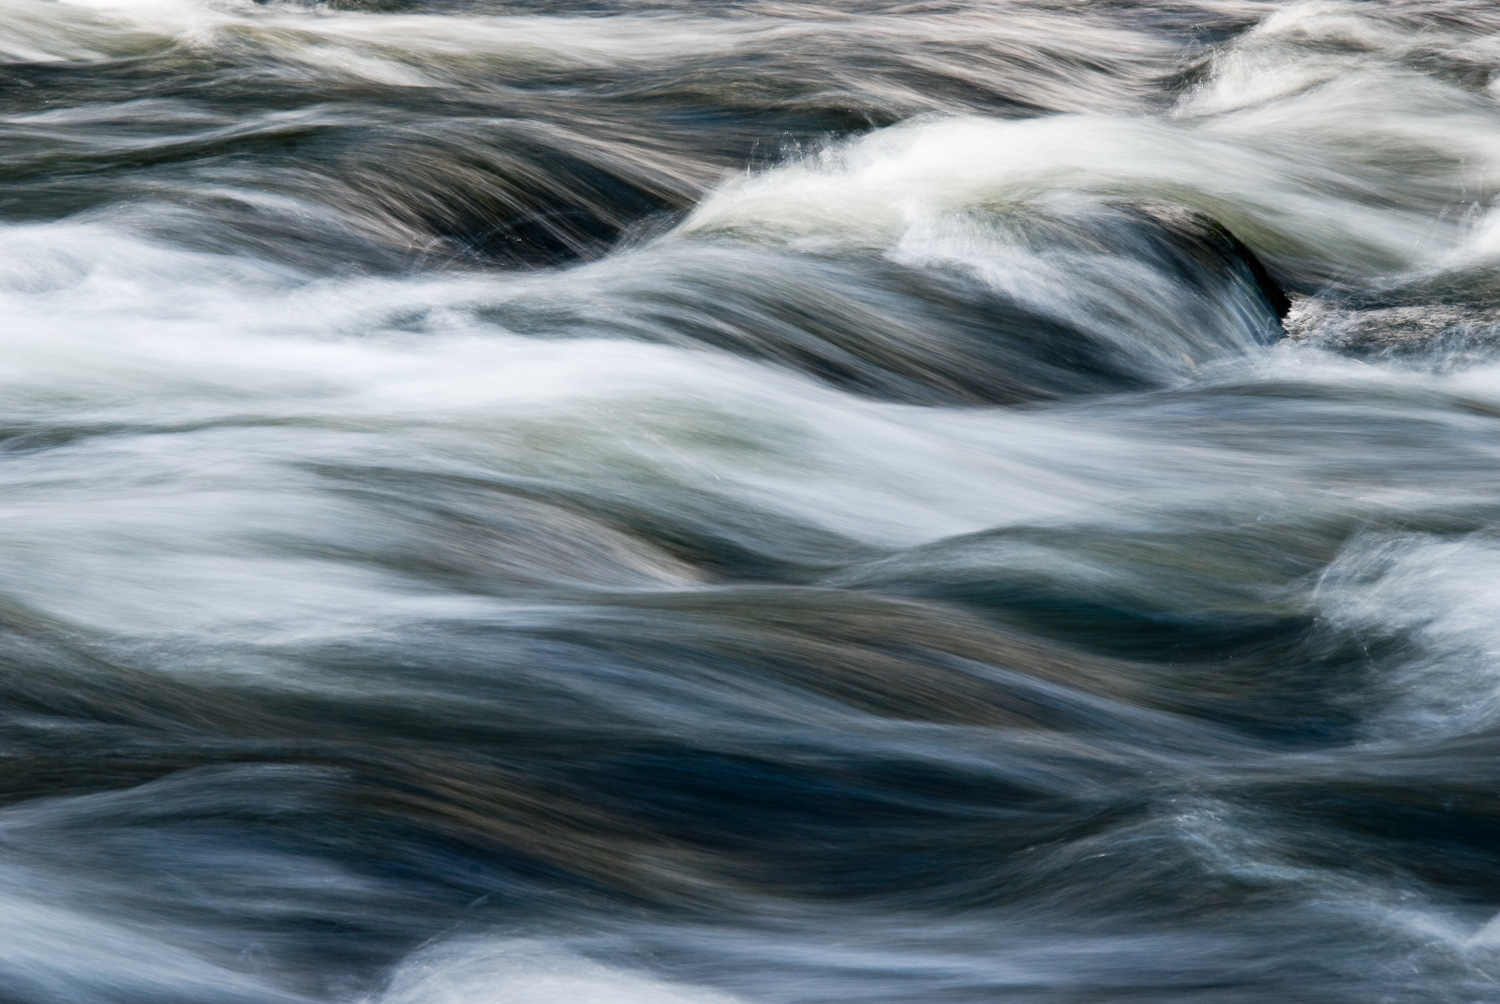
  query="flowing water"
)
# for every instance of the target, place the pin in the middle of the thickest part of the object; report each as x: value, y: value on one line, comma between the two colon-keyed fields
x: 758, y: 502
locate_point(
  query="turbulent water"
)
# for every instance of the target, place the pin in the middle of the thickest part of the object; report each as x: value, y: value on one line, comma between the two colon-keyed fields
x: 766, y: 502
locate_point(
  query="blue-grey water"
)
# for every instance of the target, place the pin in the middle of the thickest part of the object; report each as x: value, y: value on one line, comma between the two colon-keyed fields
x: 765, y: 502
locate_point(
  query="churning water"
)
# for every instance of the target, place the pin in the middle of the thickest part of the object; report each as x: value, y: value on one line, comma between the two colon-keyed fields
x: 766, y: 502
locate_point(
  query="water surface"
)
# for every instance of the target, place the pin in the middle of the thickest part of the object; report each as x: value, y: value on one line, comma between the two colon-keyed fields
x: 675, y: 502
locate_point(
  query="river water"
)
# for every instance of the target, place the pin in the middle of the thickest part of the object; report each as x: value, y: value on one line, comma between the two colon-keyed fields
x: 768, y: 502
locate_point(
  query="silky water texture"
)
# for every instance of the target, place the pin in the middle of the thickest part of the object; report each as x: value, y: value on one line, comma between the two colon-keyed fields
x: 691, y: 502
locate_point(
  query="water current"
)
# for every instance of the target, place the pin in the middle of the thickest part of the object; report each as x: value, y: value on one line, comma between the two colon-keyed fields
x: 765, y: 502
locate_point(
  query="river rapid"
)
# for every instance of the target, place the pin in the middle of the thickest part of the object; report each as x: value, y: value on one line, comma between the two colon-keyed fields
x: 767, y: 502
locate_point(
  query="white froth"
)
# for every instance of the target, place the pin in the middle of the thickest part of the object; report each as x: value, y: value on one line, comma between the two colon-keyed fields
x: 1351, y: 161
x: 514, y: 971
x: 1442, y: 593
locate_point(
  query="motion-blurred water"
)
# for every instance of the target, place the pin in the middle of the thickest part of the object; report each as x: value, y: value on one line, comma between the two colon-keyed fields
x: 704, y: 502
